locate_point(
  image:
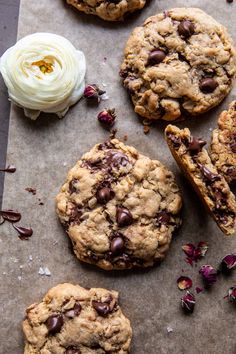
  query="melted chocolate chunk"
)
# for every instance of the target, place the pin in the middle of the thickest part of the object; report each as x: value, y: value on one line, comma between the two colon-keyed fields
x: 231, y: 171
x: 74, y: 312
x: 186, y: 29
x: 72, y: 350
x: 54, y: 323
x: 10, y: 215
x: 123, y: 217
x: 208, y: 175
x: 116, y: 159
x: 220, y: 199
x: 163, y: 218
x: 156, y: 57
x: 72, y: 187
x: 176, y: 141
x: 75, y: 214
x: 117, y: 245
x: 24, y: 233
x: 9, y: 169
x: 104, y: 195
x: 195, y: 145
x: 102, y: 308
x: 233, y: 144
x: 208, y: 85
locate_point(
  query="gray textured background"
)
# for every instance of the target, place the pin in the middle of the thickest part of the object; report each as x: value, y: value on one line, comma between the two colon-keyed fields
x: 8, y: 26
x: 44, y: 150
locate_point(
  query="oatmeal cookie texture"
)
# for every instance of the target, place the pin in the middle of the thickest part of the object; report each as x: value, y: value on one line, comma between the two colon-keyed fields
x: 179, y: 61
x: 110, y: 10
x: 74, y: 320
x: 211, y: 187
x: 119, y: 207
x: 223, y: 144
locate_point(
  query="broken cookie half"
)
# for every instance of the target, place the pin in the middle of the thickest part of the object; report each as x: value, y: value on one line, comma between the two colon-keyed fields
x: 212, y: 188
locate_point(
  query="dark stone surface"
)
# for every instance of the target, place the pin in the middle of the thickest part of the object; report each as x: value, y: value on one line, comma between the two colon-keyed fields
x: 9, y: 10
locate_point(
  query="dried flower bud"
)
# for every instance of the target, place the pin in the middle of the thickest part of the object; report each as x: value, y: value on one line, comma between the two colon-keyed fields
x: 195, y: 253
x: 232, y: 294
x: 107, y: 117
x: 209, y: 275
x: 201, y: 250
x: 188, y: 302
x: 184, y: 283
x: 93, y: 92
x: 228, y: 263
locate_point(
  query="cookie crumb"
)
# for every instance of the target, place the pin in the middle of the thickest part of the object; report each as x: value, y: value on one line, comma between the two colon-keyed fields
x: 146, y: 129
x: 125, y: 138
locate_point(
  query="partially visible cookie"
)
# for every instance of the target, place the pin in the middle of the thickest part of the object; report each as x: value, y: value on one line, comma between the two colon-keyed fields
x: 109, y: 10
x: 211, y: 187
x: 179, y: 61
x: 74, y: 320
x: 119, y: 207
x: 223, y: 144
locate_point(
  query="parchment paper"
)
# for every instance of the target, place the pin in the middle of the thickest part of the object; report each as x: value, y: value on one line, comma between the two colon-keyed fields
x: 44, y: 150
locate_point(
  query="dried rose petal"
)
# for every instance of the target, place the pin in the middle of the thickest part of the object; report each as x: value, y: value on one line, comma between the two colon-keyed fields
x: 232, y: 294
x: 184, y: 283
x: 189, y: 249
x: 93, y: 92
x: 188, y: 302
x: 228, y: 263
x: 201, y: 250
x: 107, y: 117
x: 194, y: 253
x: 209, y: 274
x: 198, y: 290
x: 189, y: 261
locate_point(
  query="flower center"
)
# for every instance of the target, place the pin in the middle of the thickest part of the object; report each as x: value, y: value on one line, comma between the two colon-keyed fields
x: 45, y: 66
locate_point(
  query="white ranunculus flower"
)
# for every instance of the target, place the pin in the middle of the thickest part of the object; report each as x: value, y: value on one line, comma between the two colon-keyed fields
x: 44, y: 72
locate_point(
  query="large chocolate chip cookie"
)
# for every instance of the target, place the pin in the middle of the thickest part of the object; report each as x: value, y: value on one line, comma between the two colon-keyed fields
x: 119, y: 208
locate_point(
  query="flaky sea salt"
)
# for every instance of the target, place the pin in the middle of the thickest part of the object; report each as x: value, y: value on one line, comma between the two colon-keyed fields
x: 169, y: 329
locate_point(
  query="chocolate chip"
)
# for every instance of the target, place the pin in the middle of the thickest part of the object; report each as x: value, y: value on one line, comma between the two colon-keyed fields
x: 210, y: 176
x: 208, y: 85
x: 156, y: 57
x: 163, y: 218
x: 72, y: 350
x: 123, y: 217
x: 231, y: 171
x: 195, y: 145
x: 9, y: 169
x: 54, y: 323
x: 104, y: 195
x: 186, y: 28
x: 117, y: 246
x: 233, y: 147
x: 75, y: 311
x: 102, y: 308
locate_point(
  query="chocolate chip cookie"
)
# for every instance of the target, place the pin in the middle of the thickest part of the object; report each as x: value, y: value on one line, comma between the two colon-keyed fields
x: 74, y: 320
x: 119, y: 207
x: 181, y: 61
x: 110, y: 10
x: 211, y: 187
x: 223, y: 144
